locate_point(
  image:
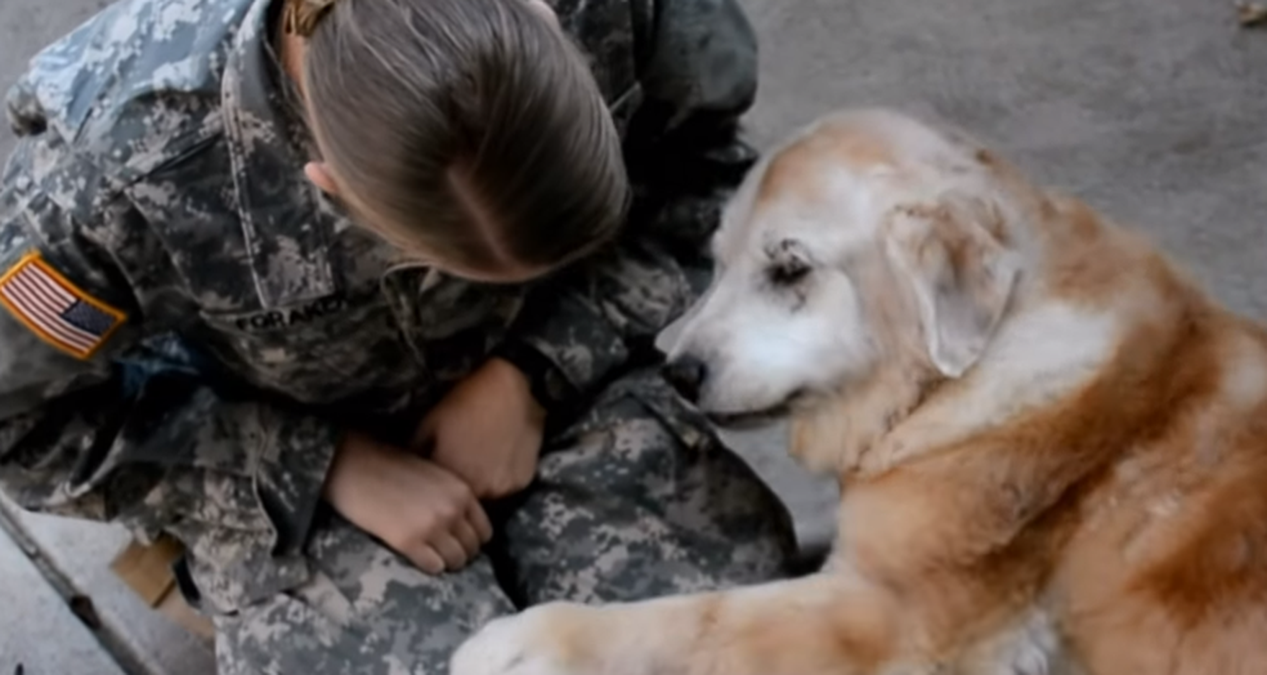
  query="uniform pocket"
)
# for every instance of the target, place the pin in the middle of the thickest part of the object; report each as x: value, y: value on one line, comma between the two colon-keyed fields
x: 319, y: 352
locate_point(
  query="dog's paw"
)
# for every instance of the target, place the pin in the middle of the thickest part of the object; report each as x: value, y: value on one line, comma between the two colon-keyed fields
x: 533, y: 642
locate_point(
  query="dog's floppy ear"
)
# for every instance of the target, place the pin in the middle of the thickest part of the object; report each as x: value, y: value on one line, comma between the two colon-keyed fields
x: 960, y: 274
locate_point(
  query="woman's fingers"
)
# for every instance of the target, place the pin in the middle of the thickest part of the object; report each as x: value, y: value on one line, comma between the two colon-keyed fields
x: 451, y: 550
x: 478, y: 519
x: 427, y: 559
x: 464, y: 532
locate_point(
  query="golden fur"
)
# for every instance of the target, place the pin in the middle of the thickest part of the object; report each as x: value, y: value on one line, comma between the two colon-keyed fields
x: 1113, y: 526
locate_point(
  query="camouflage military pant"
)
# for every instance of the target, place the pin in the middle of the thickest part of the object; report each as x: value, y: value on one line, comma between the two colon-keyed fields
x: 636, y: 499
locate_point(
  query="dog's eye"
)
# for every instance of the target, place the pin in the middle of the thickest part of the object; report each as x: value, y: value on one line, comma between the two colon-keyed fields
x: 789, y: 263
x: 788, y: 272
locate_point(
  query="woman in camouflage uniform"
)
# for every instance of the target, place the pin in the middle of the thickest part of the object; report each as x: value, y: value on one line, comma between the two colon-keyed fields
x: 372, y: 439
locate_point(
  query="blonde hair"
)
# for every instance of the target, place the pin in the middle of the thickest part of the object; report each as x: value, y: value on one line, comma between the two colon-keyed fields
x: 471, y: 127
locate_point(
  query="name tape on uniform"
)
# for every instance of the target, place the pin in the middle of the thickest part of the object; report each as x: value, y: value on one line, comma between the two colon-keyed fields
x: 55, y: 309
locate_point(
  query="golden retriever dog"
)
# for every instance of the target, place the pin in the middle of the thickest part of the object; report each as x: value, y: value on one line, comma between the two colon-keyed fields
x: 1052, y: 447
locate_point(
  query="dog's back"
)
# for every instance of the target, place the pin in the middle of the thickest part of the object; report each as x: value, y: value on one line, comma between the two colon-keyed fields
x: 1166, y: 571
x: 1127, y: 505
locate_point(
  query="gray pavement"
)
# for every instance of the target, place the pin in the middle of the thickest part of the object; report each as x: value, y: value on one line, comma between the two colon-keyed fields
x: 1153, y: 110
x: 75, y: 557
x: 39, y: 635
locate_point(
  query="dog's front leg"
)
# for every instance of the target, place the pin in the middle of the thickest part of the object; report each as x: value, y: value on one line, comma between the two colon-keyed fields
x: 818, y: 625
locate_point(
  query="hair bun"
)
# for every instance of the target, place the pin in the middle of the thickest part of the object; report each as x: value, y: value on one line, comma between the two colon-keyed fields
x: 301, y: 17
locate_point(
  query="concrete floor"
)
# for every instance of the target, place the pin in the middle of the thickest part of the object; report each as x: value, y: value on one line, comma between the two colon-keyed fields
x: 39, y: 635
x: 74, y: 557
x: 1153, y: 110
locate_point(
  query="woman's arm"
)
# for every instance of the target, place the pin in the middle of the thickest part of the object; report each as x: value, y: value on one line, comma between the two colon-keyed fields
x: 237, y: 478
x: 684, y: 150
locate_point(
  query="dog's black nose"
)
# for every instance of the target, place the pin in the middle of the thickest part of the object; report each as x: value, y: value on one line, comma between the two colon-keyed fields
x: 686, y: 374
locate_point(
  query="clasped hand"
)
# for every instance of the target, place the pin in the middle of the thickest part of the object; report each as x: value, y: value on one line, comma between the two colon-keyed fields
x: 480, y: 442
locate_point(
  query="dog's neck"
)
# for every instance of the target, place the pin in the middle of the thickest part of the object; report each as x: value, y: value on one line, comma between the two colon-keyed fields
x: 1040, y: 355
x: 904, y: 410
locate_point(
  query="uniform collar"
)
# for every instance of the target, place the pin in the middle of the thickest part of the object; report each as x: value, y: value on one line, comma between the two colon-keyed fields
x: 287, y: 233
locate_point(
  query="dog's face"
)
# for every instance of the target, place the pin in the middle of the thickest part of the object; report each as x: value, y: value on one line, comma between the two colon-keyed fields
x: 782, y: 320
x: 864, y: 244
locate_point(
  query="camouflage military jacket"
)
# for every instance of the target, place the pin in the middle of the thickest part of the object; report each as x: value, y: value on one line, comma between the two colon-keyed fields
x: 156, y: 191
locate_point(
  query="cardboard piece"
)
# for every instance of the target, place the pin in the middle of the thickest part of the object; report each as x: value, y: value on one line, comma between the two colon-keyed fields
x: 147, y: 570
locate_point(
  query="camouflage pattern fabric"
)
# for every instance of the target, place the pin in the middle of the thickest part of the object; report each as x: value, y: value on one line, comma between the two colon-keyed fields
x: 627, y: 505
x: 187, y: 325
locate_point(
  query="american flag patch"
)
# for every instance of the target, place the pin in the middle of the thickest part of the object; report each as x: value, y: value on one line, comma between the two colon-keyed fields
x: 55, y: 309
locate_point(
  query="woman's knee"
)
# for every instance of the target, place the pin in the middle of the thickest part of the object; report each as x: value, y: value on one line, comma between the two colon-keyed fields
x: 364, y: 609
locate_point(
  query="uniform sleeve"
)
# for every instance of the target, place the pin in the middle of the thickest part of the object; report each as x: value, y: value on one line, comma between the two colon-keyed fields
x: 685, y: 157
x: 684, y: 149
x: 85, y: 432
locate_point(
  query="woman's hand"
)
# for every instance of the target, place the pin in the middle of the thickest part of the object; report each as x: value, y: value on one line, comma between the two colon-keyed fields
x: 487, y: 430
x: 419, y: 509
